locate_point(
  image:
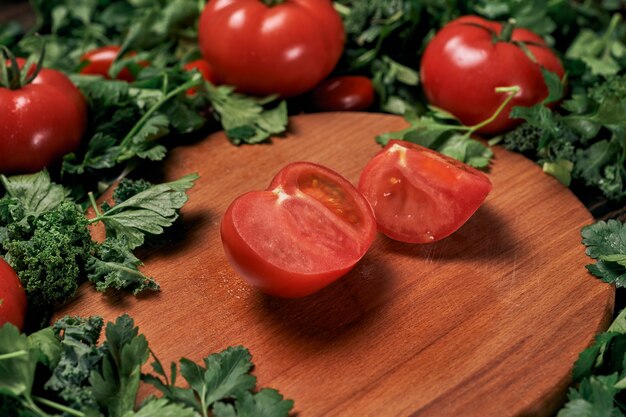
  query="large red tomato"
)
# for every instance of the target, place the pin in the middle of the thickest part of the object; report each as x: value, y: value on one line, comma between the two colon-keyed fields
x: 310, y: 227
x: 39, y: 122
x: 12, y: 297
x: 471, y: 56
x: 419, y: 195
x: 286, y: 48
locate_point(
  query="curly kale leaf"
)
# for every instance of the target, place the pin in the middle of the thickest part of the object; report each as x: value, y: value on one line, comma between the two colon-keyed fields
x: 50, y: 254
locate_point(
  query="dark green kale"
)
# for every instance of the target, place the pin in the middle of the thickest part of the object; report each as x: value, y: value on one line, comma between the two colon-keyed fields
x: 49, y: 253
x: 128, y: 188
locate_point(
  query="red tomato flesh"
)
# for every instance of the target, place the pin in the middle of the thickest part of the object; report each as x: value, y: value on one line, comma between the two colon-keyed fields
x: 419, y: 195
x: 12, y: 297
x: 310, y: 227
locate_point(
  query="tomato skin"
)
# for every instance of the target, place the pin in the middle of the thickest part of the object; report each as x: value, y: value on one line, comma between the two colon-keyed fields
x: 462, y: 66
x: 99, y: 60
x: 40, y: 122
x: 285, y: 49
x: 12, y: 297
x: 346, y: 93
x: 205, y: 69
x: 419, y: 195
x: 309, y: 228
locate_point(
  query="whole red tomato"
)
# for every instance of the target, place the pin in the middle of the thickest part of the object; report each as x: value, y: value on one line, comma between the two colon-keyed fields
x: 419, y: 195
x: 39, y: 122
x: 347, y: 93
x: 310, y: 227
x: 98, y: 61
x: 12, y: 297
x: 266, y: 47
x: 471, y: 56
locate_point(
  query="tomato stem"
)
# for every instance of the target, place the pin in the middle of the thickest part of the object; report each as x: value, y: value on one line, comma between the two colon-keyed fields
x: 511, y: 91
x: 506, y: 33
x: 11, y: 75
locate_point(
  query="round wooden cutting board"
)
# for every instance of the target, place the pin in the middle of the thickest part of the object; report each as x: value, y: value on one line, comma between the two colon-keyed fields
x: 487, y: 322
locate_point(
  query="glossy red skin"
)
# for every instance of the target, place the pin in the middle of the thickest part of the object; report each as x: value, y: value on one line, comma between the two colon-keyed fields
x: 12, y: 297
x: 293, y: 242
x: 285, y: 49
x: 419, y: 195
x: 346, y: 93
x: 40, y: 122
x: 462, y: 66
x: 99, y: 61
x: 205, y: 69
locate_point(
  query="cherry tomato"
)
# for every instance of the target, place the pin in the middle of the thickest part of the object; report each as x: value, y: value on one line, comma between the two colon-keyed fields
x: 99, y: 60
x: 310, y: 227
x: 286, y: 48
x: 465, y: 62
x: 419, y: 195
x: 344, y: 93
x: 39, y: 122
x: 205, y: 69
x: 12, y: 297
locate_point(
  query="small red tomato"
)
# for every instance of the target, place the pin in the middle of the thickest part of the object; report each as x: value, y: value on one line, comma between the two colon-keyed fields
x: 205, y: 69
x: 467, y: 59
x: 39, y: 122
x: 419, y: 195
x: 351, y: 92
x: 12, y: 297
x: 310, y: 227
x: 98, y: 61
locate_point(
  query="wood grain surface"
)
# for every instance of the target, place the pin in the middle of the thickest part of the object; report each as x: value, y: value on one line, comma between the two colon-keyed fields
x: 487, y: 322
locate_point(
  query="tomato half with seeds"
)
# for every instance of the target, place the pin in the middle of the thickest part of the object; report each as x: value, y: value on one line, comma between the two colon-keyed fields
x: 307, y: 229
x: 12, y: 297
x: 419, y: 195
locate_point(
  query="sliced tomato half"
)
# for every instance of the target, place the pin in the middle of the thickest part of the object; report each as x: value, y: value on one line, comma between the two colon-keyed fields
x: 419, y: 195
x: 310, y: 227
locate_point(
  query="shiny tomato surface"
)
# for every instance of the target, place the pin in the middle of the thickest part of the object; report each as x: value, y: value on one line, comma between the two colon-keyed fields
x: 98, y: 61
x: 307, y: 229
x: 419, y: 195
x: 40, y: 122
x: 464, y: 63
x: 12, y: 297
x: 287, y: 48
x: 345, y: 93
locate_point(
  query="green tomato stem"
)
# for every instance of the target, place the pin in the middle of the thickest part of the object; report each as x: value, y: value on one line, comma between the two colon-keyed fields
x: 506, y: 33
x: 511, y: 91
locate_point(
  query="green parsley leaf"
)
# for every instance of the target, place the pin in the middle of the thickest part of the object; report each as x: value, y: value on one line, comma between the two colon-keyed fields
x: 245, y: 119
x: 162, y: 408
x: 606, y: 241
x: 593, y: 398
x: 265, y: 403
x: 17, y: 363
x: 36, y: 193
x: 115, y: 385
x: 147, y: 212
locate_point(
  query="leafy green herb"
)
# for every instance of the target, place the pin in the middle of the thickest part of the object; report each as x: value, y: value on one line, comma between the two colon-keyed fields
x: 225, y: 376
x: 606, y: 242
x: 147, y: 212
x: 102, y: 380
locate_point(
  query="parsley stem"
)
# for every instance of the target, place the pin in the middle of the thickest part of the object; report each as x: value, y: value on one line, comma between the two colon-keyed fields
x: 94, y: 205
x: 59, y: 407
x: 194, y: 82
x: 11, y: 355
